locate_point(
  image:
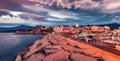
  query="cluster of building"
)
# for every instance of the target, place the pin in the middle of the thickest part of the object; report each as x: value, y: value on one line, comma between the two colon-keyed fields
x: 86, y: 29
x: 93, y: 34
x: 100, y: 29
x: 116, y: 31
x: 64, y: 29
x: 36, y: 30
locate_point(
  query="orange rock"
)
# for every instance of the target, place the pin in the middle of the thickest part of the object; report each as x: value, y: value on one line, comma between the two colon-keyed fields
x: 60, y: 56
x: 91, y: 52
x: 35, y: 49
x: 52, y: 49
x: 117, y: 47
x: 18, y: 58
x: 109, y: 58
x: 35, y: 57
x: 71, y: 42
x: 80, y: 57
x: 32, y: 52
x: 67, y: 48
x: 60, y: 43
x: 23, y: 53
x: 77, y: 50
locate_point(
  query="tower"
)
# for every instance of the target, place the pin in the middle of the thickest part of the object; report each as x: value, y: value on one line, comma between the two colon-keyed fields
x: 77, y: 25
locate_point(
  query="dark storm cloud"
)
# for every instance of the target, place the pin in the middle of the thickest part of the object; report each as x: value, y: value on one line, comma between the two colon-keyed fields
x: 60, y: 11
x: 10, y: 4
x: 16, y: 5
x: 31, y: 16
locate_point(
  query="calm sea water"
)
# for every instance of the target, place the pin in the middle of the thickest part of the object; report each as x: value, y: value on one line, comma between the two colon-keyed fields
x: 11, y: 44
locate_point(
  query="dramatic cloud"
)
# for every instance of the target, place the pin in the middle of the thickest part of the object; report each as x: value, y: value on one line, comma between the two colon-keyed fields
x: 16, y: 20
x: 31, y: 16
x: 63, y: 15
x: 59, y: 12
x: 10, y: 4
x: 109, y: 6
x: 8, y: 19
x: 15, y: 13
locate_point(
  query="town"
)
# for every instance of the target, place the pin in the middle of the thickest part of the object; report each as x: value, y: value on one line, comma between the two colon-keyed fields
x: 101, y: 36
x: 94, y: 43
x: 95, y: 35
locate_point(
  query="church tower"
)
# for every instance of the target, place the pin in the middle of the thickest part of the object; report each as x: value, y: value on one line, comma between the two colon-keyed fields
x: 77, y: 25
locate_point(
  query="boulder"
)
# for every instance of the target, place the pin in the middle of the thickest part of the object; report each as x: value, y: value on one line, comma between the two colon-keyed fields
x: 80, y: 57
x: 109, y: 58
x: 70, y: 42
x: 60, y: 43
x: 22, y: 53
x: 67, y: 48
x: 18, y: 58
x: 35, y: 49
x: 35, y: 57
x: 77, y: 50
x: 59, y: 56
x: 38, y: 42
x: 52, y: 49
x: 117, y: 47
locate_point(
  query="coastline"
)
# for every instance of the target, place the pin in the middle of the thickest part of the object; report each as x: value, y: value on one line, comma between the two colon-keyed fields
x: 53, y: 45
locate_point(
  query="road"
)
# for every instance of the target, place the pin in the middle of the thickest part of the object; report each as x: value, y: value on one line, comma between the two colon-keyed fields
x: 107, y: 47
x: 102, y: 45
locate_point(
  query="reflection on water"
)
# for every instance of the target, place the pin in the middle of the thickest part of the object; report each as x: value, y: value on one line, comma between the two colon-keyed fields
x: 11, y: 44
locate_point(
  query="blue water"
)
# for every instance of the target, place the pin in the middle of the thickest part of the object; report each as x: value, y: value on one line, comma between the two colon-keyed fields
x: 11, y: 44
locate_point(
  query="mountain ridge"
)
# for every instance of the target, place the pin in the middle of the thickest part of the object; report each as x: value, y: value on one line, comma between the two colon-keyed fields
x: 27, y: 27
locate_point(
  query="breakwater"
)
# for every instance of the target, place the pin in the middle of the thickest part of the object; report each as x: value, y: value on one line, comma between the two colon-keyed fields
x: 54, y: 47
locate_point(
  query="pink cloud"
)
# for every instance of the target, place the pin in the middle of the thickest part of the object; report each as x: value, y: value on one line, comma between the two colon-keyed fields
x: 106, y: 6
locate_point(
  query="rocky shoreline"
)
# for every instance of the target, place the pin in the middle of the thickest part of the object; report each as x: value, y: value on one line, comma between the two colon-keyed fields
x: 54, y: 47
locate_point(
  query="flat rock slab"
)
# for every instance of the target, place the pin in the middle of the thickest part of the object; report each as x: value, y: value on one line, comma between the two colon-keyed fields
x: 52, y: 49
x: 18, y: 58
x: 35, y: 49
x: 60, y: 56
x: 80, y: 57
x: 67, y: 48
x: 35, y: 57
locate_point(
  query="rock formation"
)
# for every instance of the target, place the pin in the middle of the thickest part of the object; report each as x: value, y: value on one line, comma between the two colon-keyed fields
x: 54, y: 47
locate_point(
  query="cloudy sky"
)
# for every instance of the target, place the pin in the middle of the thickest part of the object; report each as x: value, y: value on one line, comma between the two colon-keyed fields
x: 58, y: 12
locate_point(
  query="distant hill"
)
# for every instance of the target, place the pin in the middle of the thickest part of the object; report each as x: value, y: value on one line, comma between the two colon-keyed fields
x: 14, y: 29
x: 25, y: 27
x: 111, y: 25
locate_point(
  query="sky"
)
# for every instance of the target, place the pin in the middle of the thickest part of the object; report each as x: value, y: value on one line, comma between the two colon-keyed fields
x: 58, y: 12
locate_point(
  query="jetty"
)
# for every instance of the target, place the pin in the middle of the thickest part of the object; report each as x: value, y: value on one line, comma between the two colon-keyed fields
x: 55, y: 47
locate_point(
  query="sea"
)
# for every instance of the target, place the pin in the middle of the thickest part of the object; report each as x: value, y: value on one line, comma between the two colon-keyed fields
x: 11, y: 44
